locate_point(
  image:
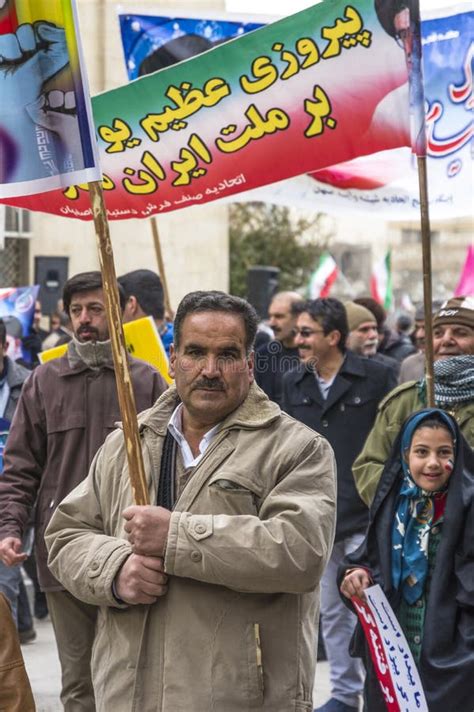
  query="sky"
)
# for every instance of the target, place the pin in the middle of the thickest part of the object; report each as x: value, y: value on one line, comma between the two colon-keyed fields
x: 281, y: 7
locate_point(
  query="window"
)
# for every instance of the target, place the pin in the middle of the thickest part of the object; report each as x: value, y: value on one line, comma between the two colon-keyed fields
x: 413, y: 237
x: 17, y: 222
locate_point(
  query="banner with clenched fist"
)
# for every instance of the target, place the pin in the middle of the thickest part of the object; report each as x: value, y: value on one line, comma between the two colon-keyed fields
x: 46, y: 132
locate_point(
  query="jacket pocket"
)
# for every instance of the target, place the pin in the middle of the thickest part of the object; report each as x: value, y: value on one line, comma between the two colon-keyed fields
x: 235, y: 493
x: 61, y: 421
x: 254, y: 665
x: 464, y: 569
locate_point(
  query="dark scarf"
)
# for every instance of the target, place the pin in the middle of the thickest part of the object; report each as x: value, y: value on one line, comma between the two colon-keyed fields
x: 166, y: 485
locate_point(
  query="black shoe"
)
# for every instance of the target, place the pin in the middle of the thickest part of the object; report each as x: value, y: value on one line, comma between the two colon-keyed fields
x: 27, y: 636
x: 41, y: 607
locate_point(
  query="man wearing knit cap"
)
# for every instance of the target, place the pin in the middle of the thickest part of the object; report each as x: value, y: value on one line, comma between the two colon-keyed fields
x: 453, y: 347
x: 363, y: 335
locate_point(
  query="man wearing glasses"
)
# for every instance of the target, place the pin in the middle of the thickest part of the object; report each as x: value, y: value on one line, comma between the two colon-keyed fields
x: 336, y: 392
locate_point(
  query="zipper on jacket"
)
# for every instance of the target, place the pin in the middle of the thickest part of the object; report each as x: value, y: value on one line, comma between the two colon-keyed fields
x: 258, y: 652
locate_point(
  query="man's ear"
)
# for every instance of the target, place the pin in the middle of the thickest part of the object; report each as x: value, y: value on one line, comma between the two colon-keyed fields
x: 132, y: 304
x: 172, y: 362
x: 251, y: 365
x: 334, y: 337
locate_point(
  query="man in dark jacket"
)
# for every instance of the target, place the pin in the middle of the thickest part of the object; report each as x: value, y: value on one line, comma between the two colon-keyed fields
x: 275, y: 358
x: 336, y: 393
x: 12, y: 377
x: 66, y: 409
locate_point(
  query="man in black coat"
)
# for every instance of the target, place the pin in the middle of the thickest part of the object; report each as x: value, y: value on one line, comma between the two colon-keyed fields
x: 336, y: 393
x: 275, y: 358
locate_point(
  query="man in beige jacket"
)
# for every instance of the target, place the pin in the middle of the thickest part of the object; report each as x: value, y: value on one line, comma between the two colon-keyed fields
x: 209, y: 598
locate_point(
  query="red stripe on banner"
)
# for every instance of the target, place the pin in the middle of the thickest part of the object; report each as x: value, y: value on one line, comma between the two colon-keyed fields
x: 377, y: 653
x: 8, y: 19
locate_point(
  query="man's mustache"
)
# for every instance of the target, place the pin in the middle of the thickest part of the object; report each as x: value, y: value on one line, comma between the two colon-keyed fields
x: 210, y: 384
x: 87, y: 330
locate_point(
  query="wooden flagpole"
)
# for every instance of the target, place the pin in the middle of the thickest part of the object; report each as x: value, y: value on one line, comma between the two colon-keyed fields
x: 161, y: 266
x: 122, y: 371
x: 427, y: 281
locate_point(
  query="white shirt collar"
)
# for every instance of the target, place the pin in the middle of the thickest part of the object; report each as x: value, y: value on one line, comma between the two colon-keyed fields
x: 175, y: 426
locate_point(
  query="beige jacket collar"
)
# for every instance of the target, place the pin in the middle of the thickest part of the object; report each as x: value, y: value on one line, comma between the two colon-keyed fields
x: 256, y: 411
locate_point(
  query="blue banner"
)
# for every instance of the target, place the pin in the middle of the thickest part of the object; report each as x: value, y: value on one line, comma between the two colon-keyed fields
x: 151, y: 43
x: 17, y: 308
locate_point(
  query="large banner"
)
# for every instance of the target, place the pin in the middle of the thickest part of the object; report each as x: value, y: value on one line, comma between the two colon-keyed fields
x: 314, y: 89
x: 387, y: 183
x: 46, y: 129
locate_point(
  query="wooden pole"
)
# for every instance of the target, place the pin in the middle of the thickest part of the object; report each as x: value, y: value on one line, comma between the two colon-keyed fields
x: 427, y: 284
x: 122, y: 371
x: 161, y: 266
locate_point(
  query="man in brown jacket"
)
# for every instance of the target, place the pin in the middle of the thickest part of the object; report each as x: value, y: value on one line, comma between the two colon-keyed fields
x: 209, y: 597
x: 15, y: 690
x: 66, y: 409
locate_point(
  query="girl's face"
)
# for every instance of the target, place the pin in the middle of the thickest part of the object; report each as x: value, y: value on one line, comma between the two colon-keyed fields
x: 431, y: 458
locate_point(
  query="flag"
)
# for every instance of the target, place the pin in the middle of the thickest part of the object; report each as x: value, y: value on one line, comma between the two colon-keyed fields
x: 381, y: 281
x: 465, y: 286
x: 323, y: 277
x: 46, y: 130
x: 319, y: 87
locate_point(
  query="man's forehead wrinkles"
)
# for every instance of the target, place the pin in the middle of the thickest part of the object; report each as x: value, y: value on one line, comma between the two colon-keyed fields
x: 212, y: 344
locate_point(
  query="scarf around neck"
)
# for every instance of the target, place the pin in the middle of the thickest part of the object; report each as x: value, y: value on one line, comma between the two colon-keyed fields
x: 414, y: 516
x: 95, y: 354
x: 453, y: 381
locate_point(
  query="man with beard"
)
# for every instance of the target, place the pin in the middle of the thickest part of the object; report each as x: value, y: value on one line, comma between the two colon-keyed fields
x: 274, y: 359
x: 453, y: 347
x: 66, y: 409
x: 362, y: 338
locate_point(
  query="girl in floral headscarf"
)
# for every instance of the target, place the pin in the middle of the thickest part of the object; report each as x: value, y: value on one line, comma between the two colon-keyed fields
x: 420, y: 549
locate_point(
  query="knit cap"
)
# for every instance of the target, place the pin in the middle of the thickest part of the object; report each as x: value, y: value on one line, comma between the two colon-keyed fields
x: 457, y: 310
x: 357, y: 315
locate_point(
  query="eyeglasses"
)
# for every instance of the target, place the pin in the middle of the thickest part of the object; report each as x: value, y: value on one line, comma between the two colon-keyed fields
x: 305, y: 332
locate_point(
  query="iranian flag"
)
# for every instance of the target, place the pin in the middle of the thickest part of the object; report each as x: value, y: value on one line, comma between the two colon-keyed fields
x: 323, y: 277
x: 381, y: 281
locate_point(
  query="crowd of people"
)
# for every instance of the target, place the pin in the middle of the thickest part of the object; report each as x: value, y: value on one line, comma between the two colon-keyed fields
x: 283, y: 480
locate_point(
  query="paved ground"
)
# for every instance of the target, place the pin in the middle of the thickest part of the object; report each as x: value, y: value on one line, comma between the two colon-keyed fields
x: 43, y: 669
